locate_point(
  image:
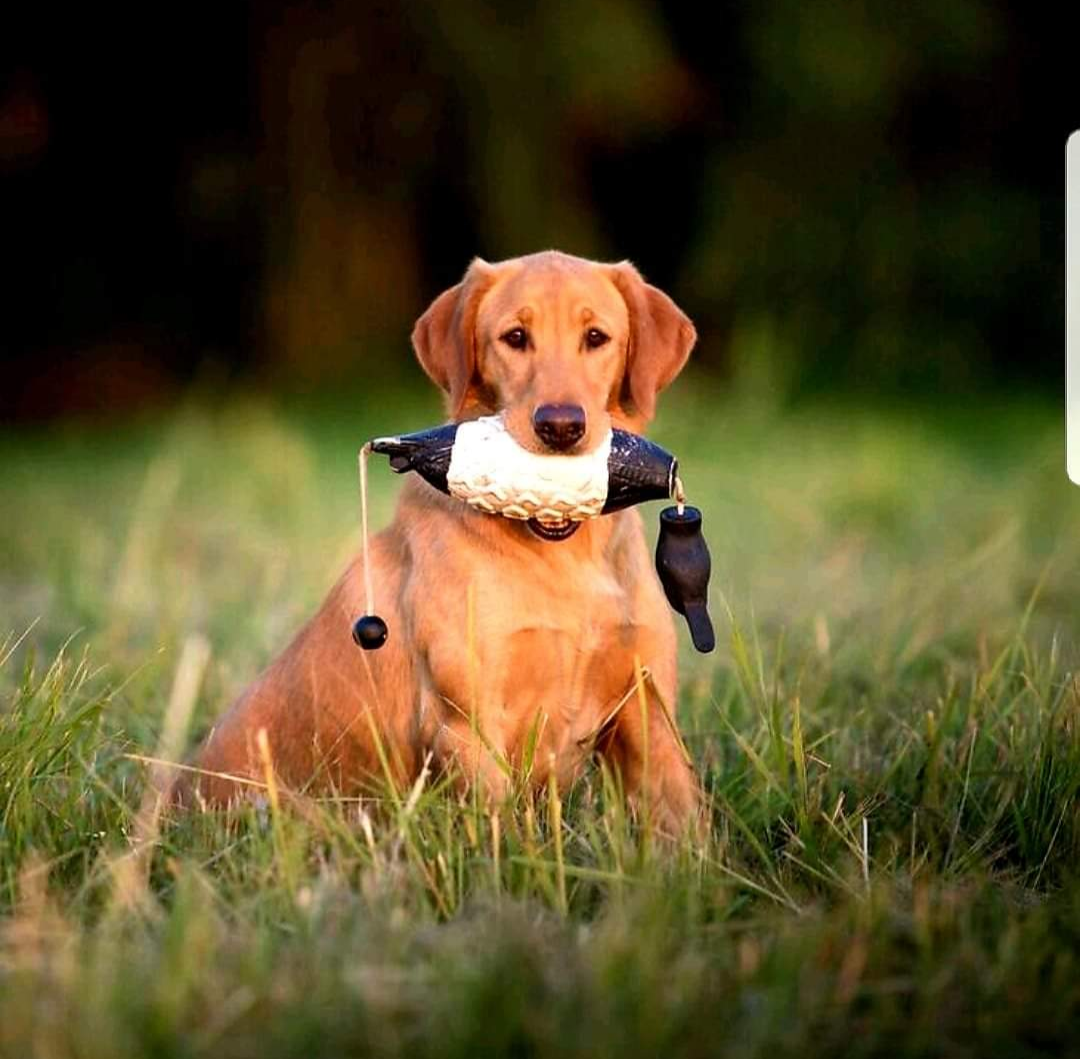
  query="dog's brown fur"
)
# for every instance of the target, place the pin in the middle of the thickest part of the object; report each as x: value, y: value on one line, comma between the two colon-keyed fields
x: 556, y: 626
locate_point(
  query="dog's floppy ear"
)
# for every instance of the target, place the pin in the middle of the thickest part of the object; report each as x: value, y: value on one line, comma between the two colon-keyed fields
x: 445, y: 336
x: 661, y: 337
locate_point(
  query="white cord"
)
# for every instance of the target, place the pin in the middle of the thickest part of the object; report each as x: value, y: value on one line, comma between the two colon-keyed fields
x: 369, y: 594
x: 680, y: 497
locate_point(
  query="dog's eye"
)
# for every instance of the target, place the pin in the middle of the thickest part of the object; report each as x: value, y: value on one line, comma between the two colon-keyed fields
x: 595, y: 338
x: 516, y: 338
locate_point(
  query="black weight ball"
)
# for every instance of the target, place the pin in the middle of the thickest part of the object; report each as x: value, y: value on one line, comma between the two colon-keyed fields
x: 370, y: 632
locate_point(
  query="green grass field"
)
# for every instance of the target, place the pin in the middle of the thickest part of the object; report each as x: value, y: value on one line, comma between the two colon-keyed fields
x: 889, y: 733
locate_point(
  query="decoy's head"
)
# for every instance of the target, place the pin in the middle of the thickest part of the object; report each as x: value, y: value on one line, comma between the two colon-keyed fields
x: 564, y: 348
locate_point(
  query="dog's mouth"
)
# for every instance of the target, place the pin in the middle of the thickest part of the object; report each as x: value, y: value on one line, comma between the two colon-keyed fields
x: 553, y: 531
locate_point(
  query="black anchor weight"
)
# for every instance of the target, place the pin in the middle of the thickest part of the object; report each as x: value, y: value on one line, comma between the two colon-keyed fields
x: 369, y: 631
x: 683, y: 564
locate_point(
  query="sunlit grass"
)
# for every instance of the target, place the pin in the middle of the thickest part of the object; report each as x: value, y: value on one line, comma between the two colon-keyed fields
x: 889, y: 735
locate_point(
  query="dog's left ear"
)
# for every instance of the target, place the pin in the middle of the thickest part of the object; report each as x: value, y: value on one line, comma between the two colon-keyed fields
x: 661, y: 337
x: 445, y: 336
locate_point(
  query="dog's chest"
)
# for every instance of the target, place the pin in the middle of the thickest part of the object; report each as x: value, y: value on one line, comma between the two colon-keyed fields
x: 556, y: 631
x: 555, y: 651
x: 584, y: 605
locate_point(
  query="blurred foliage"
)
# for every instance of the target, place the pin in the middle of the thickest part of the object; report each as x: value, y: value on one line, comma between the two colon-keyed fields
x: 842, y: 195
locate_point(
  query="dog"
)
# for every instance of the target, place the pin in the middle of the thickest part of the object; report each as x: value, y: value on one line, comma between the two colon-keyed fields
x: 510, y: 650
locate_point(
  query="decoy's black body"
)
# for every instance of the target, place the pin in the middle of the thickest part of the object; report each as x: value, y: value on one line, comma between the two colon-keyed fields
x: 427, y: 452
x: 684, y: 565
x: 638, y: 469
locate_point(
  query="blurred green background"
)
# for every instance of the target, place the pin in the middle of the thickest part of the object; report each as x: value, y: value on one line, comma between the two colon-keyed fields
x: 861, y: 196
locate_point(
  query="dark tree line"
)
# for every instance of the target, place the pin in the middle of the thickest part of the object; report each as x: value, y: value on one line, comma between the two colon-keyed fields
x: 850, y: 194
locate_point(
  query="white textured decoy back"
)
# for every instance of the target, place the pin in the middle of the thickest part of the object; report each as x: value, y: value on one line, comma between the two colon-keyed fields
x: 491, y: 472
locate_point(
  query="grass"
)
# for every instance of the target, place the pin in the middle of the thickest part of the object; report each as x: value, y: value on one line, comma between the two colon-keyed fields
x: 889, y: 734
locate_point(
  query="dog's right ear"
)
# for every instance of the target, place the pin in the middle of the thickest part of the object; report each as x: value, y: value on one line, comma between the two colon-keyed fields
x: 661, y: 337
x: 445, y: 336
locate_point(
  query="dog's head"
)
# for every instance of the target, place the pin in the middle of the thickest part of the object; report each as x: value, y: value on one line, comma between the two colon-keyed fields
x: 563, y: 347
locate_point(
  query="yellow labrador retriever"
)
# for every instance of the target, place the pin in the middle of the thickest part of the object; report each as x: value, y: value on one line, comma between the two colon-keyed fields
x: 501, y: 641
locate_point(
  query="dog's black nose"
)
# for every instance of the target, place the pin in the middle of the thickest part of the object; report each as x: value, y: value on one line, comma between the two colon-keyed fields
x: 559, y: 426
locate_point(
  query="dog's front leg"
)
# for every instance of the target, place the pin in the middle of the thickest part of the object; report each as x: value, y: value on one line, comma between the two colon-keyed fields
x: 462, y: 748
x: 647, y: 752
